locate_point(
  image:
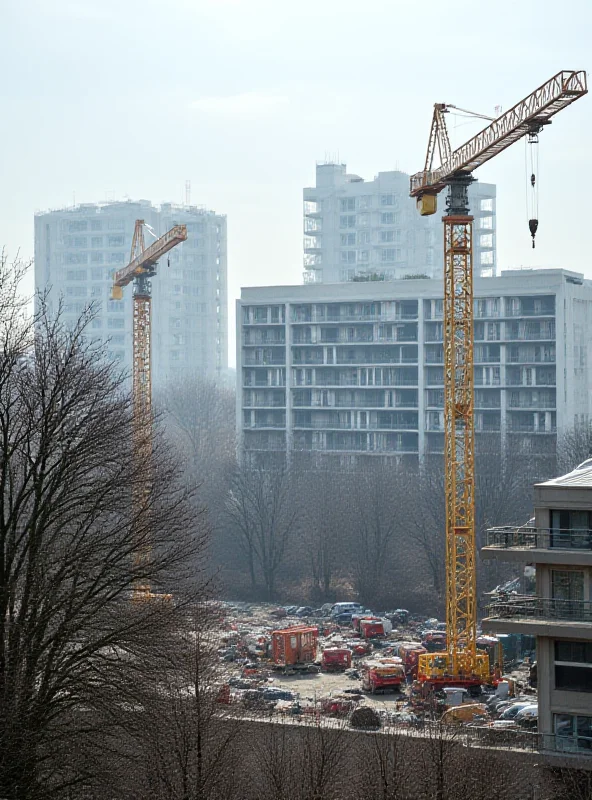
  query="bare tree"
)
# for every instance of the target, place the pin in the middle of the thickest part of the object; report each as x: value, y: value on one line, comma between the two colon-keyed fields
x: 574, y: 446
x: 72, y: 642
x: 263, y: 516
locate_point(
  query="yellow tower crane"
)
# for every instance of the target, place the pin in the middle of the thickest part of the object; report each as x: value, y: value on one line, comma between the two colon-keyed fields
x: 461, y: 664
x: 142, y: 266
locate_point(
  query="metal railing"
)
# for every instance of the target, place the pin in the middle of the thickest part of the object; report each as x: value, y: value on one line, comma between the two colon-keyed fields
x: 528, y: 607
x: 347, y: 426
x: 539, y: 538
x: 268, y: 362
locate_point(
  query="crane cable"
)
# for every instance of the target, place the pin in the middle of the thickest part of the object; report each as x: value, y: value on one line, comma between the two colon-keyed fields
x: 532, y: 196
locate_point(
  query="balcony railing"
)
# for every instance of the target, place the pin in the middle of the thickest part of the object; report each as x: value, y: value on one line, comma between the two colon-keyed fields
x: 539, y: 538
x: 347, y: 426
x: 512, y: 359
x: 517, y: 427
x: 267, y: 362
x: 527, y: 607
x: 256, y: 425
x: 530, y: 312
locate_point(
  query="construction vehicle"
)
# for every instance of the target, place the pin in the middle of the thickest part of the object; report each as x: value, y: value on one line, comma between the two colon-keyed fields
x: 142, y: 266
x: 460, y: 663
x: 409, y: 653
x: 336, y: 659
x: 295, y: 648
x: 382, y: 675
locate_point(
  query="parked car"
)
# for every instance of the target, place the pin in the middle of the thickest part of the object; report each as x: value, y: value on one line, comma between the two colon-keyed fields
x: 528, y: 716
x: 303, y: 611
x: 511, y: 711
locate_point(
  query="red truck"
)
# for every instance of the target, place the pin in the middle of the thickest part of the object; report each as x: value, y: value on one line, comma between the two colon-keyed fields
x: 409, y: 653
x: 336, y: 658
x: 382, y: 675
x: 295, y: 648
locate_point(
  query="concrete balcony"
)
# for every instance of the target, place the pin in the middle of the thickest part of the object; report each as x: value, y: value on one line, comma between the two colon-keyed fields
x: 539, y: 545
x: 540, y: 616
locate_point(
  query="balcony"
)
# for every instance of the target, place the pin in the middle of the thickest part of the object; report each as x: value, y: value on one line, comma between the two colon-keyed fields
x: 527, y: 359
x: 262, y: 425
x: 539, y: 545
x: 543, y: 608
x: 523, y: 427
x: 347, y: 426
x: 268, y: 362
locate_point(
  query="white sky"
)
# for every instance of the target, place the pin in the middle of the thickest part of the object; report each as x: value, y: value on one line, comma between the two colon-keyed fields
x: 105, y: 99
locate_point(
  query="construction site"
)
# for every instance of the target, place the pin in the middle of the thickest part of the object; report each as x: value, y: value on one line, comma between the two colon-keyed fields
x: 377, y: 668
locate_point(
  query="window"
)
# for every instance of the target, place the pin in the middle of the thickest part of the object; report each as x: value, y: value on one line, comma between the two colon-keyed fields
x: 116, y: 258
x: 365, y: 201
x: 387, y: 236
x: 96, y: 274
x: 364, y: 255
x: 117, y: 338
x: 364, y: 237
x: 96, y: 241
x: 116, y: 305
x: 573, y: 732
x: 75, y: 291
x: 348, y: 221
x: 487, y: 258
x: 348, y: 257
x: 347, y: 204
x: 116, y: 225
x: 486, y: 240
x: 115, y: 323
x: 77, y: 226
x: 567, y: 584
x: 96, y: 258
x: 78, y: 241
x: 96, y: 291
x: 486, y: 205
x: 96, y: 323
x: 487, y: 223
x: 95, y: 225
x: 387, y: 200
x: 116, y: 241
x: 387, y: 218
x: 178, y: 339
x: 388, y: 254
x: 75, y: 258
x: 348, y: 239
x: 76, y: 274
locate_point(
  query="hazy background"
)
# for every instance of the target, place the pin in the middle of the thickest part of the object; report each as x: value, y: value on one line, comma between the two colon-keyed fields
x: 106, y: 99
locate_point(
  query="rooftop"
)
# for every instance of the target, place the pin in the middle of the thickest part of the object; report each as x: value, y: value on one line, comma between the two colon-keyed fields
x: 580, y: 476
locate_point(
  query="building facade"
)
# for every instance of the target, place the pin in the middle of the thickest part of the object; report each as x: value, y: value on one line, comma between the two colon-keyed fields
x: 354, y: 228
x: 356, y: 369
x: 78, y: 249
x: 559, y: 544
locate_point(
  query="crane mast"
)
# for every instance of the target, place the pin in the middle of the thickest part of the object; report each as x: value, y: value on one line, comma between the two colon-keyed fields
x: 141, y: 268
x: 461, y: 663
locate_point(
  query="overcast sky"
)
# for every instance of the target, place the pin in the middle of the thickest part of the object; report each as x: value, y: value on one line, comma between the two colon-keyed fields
x: 109, y: 99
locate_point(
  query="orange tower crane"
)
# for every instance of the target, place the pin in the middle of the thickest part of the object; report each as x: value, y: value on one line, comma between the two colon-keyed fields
x: 141, y: 268
x: 461, y: 663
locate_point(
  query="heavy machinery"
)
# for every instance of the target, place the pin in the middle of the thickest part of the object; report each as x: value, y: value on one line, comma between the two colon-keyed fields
x: 142, y: 266
x: 382, y: 675
x: 461, y: 663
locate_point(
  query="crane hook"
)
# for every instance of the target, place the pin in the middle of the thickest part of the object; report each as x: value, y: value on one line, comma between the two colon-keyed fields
x: 533, y: 225
x: 532, y: 180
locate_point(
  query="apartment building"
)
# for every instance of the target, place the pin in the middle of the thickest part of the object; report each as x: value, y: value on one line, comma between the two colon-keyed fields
x: 355, y: 370
x: 558, y: 542
x: 78, y: 249
x: 354, y: 228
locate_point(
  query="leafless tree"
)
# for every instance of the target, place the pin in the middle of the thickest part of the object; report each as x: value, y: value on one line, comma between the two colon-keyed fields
x: 304, y: 762
x: 263, y: 516
x: 573, y: 446
x: 73, y: 546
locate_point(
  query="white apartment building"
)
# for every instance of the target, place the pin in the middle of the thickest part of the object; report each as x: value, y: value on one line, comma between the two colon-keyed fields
x: 355, y: 369
x: 558, y: 542
x: 354, y: 227
x: 78, y: 249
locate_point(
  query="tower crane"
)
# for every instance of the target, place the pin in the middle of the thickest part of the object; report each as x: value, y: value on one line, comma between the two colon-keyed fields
x: 461, y: 664
x: 141, y: 268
